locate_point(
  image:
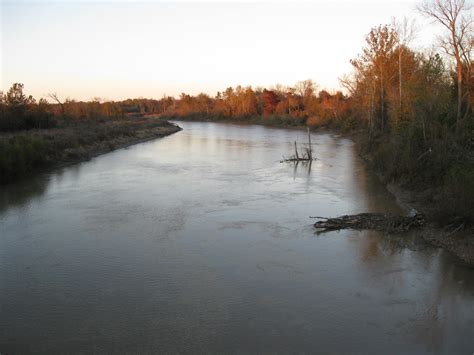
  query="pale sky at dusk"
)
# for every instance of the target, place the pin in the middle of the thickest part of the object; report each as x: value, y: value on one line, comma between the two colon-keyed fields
x: 115, y: 50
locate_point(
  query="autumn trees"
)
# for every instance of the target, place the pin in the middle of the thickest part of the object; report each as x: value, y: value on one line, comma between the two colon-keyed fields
x: 276, y: 105
x: 270, y: 101
x: 299, y: 105
x: 417, y: 105
x: 374, y: 73
x: 391, y: 81
x: 279, y: 105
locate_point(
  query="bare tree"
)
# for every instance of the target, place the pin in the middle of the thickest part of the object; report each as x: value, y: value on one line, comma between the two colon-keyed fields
x: 306, y: 87
x: 467, y: 50
x: 55, y: 97
x: 406, y: 32
x: 456, y: 17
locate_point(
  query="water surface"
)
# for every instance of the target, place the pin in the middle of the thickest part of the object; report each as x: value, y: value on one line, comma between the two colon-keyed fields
x: 201, y: 242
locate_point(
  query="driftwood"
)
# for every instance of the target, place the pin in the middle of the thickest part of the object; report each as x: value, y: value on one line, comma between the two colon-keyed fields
x: 307, y: 156
x: 376, y: 221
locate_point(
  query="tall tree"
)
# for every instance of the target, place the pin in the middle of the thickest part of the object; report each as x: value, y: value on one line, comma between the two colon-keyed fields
x: 405, y: 33
x: 456, y: 17
x: 373, y: 69
x: 270, y: 99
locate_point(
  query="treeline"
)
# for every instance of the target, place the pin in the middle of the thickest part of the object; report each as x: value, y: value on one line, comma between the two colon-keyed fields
x: 297, y: 105
x: 417, y: 108
x: 21, y: 112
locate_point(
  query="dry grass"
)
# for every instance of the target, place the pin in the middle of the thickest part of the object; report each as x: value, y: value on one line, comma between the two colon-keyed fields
x: 24, y: 152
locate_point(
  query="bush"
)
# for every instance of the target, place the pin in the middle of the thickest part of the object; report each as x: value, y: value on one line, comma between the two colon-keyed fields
x: 441, y: 165
x: 20, y: 155
x: 458, y: 193
x: 317, y: 121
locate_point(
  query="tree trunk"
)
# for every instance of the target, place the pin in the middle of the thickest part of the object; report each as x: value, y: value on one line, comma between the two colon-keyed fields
x: 400, y: 52
x: 382, y: 103
x: 459, y: 72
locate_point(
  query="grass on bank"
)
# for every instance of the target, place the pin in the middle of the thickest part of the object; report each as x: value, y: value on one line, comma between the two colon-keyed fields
x: 24, y: 152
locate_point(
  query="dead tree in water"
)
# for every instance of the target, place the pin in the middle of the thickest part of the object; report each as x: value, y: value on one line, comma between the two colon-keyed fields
x: 375, y: 221
x: 305, y: 157
x: 310, y: 150
x: 296, y: 152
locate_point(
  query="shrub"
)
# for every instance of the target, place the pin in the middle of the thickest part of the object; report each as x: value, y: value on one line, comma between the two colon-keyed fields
x: 19, y: 155
x: 458, y: 193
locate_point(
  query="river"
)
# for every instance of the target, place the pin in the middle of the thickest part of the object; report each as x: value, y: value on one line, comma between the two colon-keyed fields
x: 202, y: 242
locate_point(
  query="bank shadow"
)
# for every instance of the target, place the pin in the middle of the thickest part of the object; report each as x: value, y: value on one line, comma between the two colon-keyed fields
x: 21, y: 193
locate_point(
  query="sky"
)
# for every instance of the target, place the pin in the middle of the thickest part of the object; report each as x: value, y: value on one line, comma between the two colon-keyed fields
x: 126, y: 49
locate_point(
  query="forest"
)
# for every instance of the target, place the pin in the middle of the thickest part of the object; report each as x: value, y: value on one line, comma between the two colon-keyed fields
x: 411, y: 111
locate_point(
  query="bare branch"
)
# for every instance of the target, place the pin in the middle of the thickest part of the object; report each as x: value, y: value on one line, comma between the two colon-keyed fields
x: 55, y: 97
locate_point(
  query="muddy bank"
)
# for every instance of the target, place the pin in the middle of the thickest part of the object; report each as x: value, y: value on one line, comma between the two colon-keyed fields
x: 458, y: 238
x: 28, y: 152
x: 440, y: 229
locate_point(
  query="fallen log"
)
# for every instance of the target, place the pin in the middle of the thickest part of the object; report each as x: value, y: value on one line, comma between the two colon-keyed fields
x: 376, y: 221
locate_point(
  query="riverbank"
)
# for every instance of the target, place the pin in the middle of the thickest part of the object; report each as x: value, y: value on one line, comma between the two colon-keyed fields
x: 24, y: 153
x: 457, y: 239
x: 444, y: 229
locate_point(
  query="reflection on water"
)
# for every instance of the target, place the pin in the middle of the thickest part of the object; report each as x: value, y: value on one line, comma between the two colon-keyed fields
x: 201, y: 242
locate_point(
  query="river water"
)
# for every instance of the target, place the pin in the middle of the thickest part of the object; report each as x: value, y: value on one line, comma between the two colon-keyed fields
x: 201, y: 242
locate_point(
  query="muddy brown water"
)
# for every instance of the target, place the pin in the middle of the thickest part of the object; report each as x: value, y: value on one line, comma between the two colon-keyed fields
x: 200, y: 242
